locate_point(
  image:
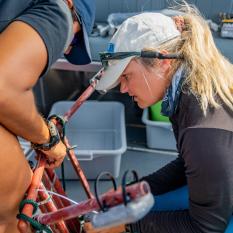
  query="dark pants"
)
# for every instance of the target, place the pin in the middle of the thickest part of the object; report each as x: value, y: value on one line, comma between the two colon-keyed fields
x: 178, y: 200
x: 172, y: 201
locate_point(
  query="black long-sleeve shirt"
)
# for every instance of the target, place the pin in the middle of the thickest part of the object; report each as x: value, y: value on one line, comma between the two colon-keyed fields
x: 205, y: 164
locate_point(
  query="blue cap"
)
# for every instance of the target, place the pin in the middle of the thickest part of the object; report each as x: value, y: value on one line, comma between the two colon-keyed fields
x: 80, y: 53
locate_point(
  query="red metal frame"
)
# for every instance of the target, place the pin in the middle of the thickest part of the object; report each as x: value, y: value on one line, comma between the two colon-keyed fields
x: 73, y: 224
x: 111, y: 198
x: 57, y: 212
x: 51, y: 207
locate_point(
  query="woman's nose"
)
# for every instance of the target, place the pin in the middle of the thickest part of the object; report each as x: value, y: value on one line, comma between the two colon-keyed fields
x: 123, y: 87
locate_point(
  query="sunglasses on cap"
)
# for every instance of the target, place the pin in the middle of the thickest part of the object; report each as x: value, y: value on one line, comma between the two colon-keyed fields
x: 105, y: 57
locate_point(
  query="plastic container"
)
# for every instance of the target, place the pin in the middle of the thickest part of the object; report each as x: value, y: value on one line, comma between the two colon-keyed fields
x: 159, y: 134
x: 25, y: 145
x: 98, y: 130
x: 155, y: 114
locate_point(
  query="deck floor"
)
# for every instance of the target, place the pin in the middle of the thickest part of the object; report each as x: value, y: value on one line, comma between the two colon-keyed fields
x: 143, y: 162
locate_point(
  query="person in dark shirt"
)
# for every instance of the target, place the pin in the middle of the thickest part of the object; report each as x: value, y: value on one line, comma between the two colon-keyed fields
x: 193, y: 193
x: 34, y: 34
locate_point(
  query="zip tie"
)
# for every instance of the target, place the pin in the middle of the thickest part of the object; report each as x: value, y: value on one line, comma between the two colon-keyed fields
x: 71, y: 148
x: 45, y: 201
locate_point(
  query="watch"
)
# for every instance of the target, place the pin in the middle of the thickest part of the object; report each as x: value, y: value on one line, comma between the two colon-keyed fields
x: 54, y: 138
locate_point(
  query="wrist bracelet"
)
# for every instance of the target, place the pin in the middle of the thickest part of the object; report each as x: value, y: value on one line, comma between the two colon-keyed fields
x: 54, y: 138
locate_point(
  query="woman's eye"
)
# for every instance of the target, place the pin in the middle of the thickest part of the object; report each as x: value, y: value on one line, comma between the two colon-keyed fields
x: 126, y: 78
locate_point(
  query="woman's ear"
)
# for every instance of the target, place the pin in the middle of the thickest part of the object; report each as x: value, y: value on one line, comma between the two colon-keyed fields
x: 165, y: 63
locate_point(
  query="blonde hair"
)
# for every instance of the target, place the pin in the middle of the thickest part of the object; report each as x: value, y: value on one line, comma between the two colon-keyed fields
x: 209, y: 73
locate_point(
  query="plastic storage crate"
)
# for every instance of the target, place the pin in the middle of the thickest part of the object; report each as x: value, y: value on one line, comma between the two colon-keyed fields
x: 155, y: 115
x: 159, y: 134
x: 98, y: 130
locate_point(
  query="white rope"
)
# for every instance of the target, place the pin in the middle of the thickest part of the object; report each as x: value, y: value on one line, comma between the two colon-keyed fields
x: 59, y: 195
x: 46, y: 200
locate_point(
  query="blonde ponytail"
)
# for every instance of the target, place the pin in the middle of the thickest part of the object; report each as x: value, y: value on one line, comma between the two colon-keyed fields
x: 209, y: 73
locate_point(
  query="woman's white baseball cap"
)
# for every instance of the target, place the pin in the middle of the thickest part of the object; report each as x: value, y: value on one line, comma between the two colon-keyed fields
x: 146, y: 30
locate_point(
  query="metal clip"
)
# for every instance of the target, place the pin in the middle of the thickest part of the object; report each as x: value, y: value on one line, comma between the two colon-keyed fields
x: 94, y: 80
x: 71, y: 148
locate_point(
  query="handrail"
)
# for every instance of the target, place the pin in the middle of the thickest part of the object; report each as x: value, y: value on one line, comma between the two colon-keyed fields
x: 63, y: 64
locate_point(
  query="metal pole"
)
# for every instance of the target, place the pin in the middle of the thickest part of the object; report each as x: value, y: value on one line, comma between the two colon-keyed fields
x: 38, y: 173
x: 51, y: 177
x: 111, y: 198
x: 60, y: 225
x: 32, y: 193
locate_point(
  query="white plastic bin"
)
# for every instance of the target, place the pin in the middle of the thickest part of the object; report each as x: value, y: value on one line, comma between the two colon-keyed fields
x: 159, y: 134
x: 98, y: 130
x: 25, y: 145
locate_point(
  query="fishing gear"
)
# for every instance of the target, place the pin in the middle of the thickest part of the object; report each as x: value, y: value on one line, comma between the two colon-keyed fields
x: 129, y: 212
x: 59, y: 214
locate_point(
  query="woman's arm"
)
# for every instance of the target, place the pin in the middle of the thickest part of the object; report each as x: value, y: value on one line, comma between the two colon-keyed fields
x: 208, y: 160
x: 167, y: 178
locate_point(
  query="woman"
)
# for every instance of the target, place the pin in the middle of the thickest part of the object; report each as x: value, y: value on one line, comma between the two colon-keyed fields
x: 193, y: 193
x: 34, y: 34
